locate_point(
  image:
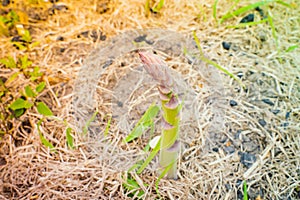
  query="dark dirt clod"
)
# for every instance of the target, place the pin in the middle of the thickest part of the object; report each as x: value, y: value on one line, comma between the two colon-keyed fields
x: 143, y: 38
x: 233, y: 103
x: 226, y: 45
x: 262, y: 122
x: 2, y: 161
x: 140, y: 38
x: 260, y: 11
x: 268, y: 101
x: 248, y: 18
x: 5, y: 2
x: 247, y: 159
x: 120, y: 104
x: 240, y: 194
x: 3, y: 79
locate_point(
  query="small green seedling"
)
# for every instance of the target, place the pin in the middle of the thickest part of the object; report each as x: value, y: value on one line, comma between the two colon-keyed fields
x: 216, y: 65
x: 88, y: 123
x: 144, y: 123
x: 245, y: 191
x: 29, y: 97
x: 242, y: 10
x: 155, y: 8
x: 133, y: 188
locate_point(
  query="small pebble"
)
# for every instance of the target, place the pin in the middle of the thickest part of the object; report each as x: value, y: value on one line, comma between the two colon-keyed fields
x: 226, y: 45
x: 120, y: 104
x: 229, y: 150
x: 240, y: 74
x: 233, y: 103
x: 238, y: 182
x: 247, y: 159
x: 215, y: 149
x: 262, y: 122
x: 287, y: 115
x: 248, y: 18
x: 285, y: 124
x: 60, y: 38
x: 250, y: 146
x: 228, y: 187
x: 240, y: 195
x: 237, y: 135
x: 268, y: 101
x: 141, y: 38
x: 275, y: 112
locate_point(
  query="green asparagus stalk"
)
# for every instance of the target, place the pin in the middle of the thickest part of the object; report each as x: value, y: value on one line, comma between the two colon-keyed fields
x: 169, y: 144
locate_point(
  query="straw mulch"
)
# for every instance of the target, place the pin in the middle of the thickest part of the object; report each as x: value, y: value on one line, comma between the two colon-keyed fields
x: 260, y: 124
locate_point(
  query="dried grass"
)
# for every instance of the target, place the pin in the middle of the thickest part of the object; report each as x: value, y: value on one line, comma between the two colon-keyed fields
x: 95, y: 169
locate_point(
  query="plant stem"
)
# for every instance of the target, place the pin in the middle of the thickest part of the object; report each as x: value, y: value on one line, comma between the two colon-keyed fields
x: 169, y: 144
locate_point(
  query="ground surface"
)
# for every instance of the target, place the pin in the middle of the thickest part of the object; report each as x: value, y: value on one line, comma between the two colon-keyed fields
x: 229, y: 134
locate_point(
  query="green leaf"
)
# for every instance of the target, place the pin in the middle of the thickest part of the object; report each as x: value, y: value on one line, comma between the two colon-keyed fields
x: 292, y: 48
x: 19, y: 112
x: 159, y: 6
x: 3, y: 28
x: 25, y: 63
x: 144, y: 123
x: 86, y: 127
x: 150, y: 157
x: 133, y: 187
x: 245, y: 191
x: 12, y: 77
x: 12, y: 18
x: 163, y: 173
x: 270, y: 20
x: 20, y: 103
x: 44, y: 141
x: 27, y: 36
x: 44, y: 109
x: 215, y: 10
x: 107, y: 126
x: 35, y: 74
x: 40, y: 87
x: 9, y: 62
x: 147, y: 8
x: 29, y: 92
x: 34, y: 44
x: 69, y: 138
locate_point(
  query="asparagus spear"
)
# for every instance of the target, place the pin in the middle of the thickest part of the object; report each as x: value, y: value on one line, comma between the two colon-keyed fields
x: 169, y: 146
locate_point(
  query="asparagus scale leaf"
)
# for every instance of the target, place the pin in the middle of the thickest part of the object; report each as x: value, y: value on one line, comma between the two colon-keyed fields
x: 169, y: 144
